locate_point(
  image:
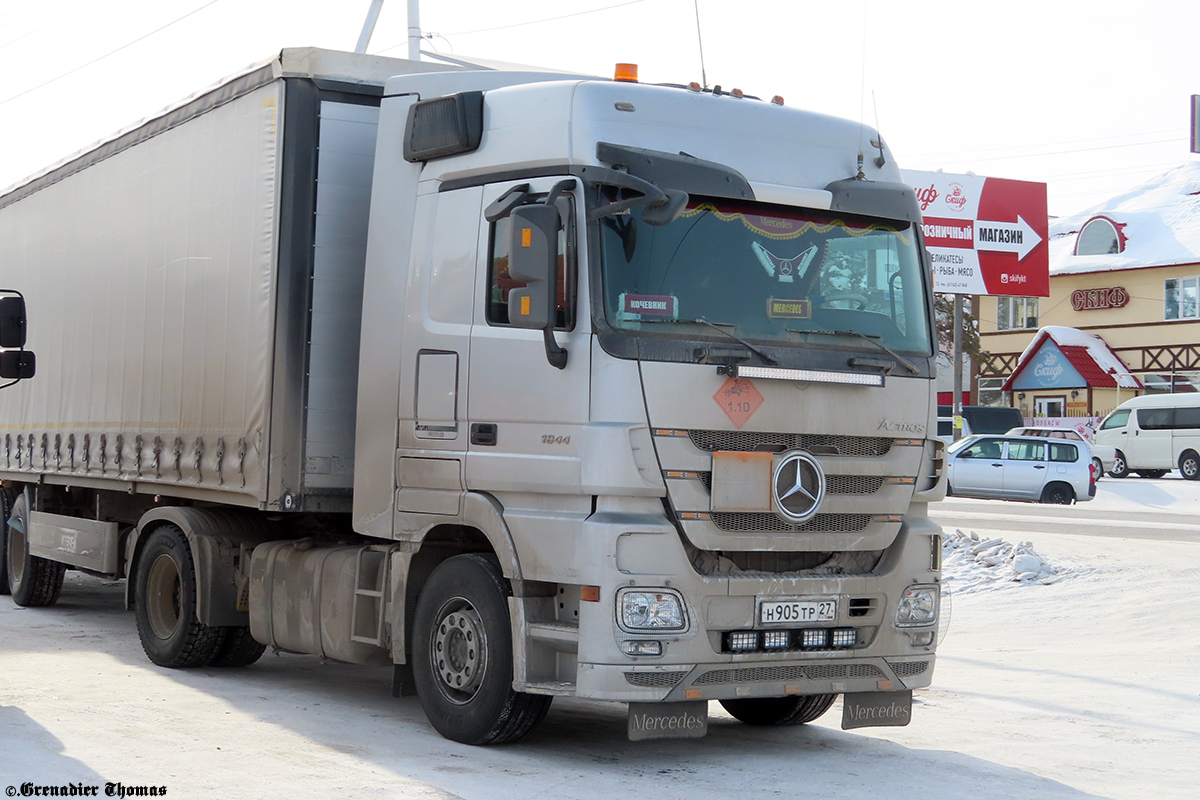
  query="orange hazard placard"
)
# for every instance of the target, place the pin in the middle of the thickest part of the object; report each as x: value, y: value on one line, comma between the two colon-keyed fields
x: 738, y: 398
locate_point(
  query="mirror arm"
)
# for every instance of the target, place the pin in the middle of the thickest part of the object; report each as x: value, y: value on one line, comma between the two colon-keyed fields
x: 556, y: 355
x: 502, y: 206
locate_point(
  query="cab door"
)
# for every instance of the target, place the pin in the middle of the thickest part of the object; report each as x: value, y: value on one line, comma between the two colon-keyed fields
x: 525, y: 414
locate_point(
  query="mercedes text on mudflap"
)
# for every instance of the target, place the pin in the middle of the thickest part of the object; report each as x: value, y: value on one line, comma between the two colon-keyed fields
x: 526, y: 384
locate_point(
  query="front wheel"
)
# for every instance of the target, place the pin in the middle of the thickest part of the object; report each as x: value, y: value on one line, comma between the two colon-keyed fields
x: 1058, y: 494
x: 794, y: 710
x: 165, y: 604
x: 1120, y: 467
x: 33, y: 581
x: 1189, y: 465
x: 462, y: 655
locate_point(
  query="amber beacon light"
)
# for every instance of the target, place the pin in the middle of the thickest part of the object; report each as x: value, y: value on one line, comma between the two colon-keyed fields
x: 626, y: 72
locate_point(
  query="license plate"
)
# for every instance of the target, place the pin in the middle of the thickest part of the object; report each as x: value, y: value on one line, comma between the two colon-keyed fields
x: 772, y: 612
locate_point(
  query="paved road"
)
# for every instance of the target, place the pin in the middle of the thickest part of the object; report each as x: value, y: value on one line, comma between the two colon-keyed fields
x: 1169, y: 522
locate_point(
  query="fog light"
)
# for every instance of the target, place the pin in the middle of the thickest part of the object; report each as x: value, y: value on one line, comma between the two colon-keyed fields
x: 642, y: 648
x: 776, y: 640
x: 814, y: 638
x: 844, y: 637
x: 921, y: 639
x: 918, y: 606
x: 743, y: 640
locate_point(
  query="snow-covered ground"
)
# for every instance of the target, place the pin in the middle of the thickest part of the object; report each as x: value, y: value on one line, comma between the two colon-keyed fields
x: 1076, y: 680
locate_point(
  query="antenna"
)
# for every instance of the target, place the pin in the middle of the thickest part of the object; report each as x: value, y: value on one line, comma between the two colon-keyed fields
x: 700, y: 41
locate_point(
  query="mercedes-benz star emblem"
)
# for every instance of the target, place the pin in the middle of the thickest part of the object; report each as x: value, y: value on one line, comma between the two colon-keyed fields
x: 798, y: 487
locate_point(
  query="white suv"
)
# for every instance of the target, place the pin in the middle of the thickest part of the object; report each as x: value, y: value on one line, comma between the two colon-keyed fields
x: 1021, y: 468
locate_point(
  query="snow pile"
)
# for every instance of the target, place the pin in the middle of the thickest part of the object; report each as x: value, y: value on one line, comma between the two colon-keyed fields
x: 971, y: 563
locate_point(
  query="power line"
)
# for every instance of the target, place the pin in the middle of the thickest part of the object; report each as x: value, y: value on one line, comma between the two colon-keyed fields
x: 523, y: 24
x: 106, y: 55
x: 50, y: 24
x: 944, y: 153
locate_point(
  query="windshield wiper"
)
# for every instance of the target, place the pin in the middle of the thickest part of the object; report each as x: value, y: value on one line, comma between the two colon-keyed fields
x: 870, y: 339
x: 716, y: 326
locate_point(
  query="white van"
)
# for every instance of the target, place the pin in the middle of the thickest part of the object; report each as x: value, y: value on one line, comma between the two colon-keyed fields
x: 1154, y: 434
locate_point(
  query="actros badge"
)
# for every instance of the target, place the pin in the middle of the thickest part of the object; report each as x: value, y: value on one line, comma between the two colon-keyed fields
x: 798, y: 487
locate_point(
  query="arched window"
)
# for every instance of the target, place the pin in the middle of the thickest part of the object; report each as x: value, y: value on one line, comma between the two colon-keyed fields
x: 1100, y: 236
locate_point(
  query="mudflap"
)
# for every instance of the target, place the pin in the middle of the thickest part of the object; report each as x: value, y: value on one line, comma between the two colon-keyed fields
x: 876, y: 709
x: 684, y: 720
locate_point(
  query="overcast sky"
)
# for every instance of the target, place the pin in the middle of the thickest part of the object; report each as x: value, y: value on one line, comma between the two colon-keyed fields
x: 1090, y: 97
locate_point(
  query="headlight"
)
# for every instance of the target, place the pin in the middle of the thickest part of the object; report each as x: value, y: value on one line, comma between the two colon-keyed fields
x: 650, y: 610
x: 918, y: 606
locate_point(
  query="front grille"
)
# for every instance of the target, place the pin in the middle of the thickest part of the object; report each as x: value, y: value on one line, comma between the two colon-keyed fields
x: 817, y: 444
x: 834, y: 484
x: 907, y: 669
x: 816, y: 672
x: 659, y: 680
x: 762, y: 521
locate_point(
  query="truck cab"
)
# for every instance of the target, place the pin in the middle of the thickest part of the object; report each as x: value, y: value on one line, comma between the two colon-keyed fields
x: 669, y: 353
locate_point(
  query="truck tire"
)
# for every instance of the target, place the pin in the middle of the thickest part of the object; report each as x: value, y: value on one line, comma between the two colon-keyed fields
x: 1120, y: 467
x: 33, y: 581
x: 462, y: 655
x: 1058, y: 494
x: 238, y: 649
x: 1099, y: 465
x: 793, y: 710
x: 1189, y: 465
x: 165, y: 604
x: 5, y: 510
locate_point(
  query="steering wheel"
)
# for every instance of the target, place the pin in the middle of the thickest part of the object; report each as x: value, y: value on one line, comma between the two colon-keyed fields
x: 858, y: 300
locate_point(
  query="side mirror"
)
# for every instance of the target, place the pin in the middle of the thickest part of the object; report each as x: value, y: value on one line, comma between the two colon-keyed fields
x: 533, y: 260
x: 17, y: 365
x: 12, y: 322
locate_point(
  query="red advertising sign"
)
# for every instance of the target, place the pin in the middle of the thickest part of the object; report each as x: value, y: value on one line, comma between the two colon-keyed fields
x: 985, y: 235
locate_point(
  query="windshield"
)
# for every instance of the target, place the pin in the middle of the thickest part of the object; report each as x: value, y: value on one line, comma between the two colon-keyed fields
x: 766, y: 273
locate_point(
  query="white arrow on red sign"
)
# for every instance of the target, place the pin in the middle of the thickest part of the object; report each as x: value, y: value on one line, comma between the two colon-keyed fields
x: 1006, y: 237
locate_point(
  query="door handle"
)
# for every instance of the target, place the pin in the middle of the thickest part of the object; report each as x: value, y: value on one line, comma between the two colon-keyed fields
x: 484, y: 434
x: 1039, y: 466
x: 997, y: 465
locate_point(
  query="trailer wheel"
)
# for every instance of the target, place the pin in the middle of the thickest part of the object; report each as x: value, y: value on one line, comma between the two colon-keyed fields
x: 238, y: 649
x: 165, y: 604
x: 5, y: 510
x: 1189, y: 465
x: 1120, y: 467
x: 33, y: 581
x: 462, y: 655
x: 794, y: 710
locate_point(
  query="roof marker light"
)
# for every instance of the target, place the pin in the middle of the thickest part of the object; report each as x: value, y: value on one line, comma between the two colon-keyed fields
x: 738, y: 93
x: 777, y: 100
x: 694, y: 86
x: 626, y: 72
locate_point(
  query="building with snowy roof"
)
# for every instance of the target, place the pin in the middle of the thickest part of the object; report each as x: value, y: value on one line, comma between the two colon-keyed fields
x: 1123, y: 315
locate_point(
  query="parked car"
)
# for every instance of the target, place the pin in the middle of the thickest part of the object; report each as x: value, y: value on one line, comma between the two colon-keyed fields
x: 977, y: 419
x: 1030, y: 468
x: 1154, y: 434
x: 1103, y: 456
